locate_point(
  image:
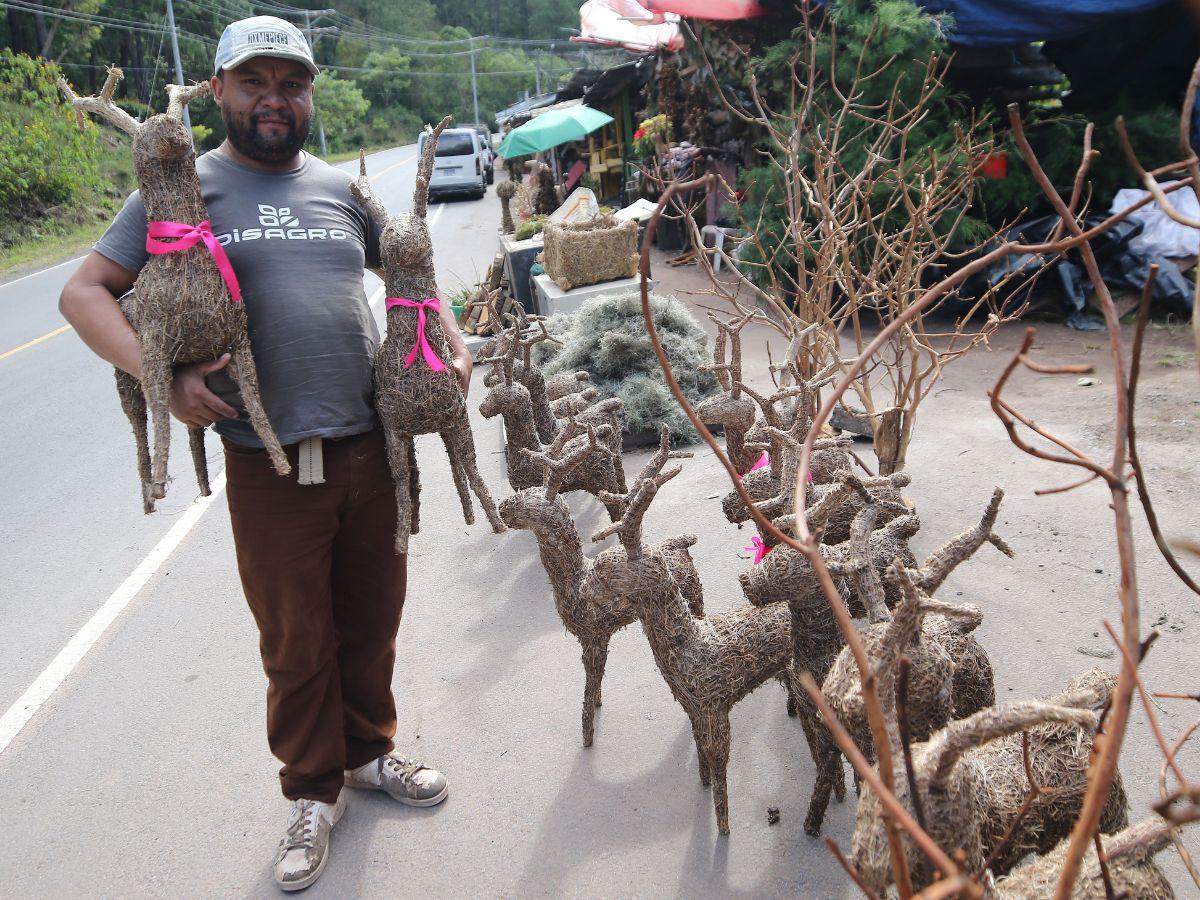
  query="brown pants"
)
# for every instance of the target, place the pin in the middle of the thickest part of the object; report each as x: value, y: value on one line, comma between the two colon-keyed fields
x: 326, y: 587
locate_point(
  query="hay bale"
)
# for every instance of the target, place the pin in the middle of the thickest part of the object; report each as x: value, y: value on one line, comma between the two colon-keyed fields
x: 589, y: 252
x: 607, y: 339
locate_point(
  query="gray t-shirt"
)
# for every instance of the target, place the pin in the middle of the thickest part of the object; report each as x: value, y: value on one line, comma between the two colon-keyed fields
x: 298, y: 242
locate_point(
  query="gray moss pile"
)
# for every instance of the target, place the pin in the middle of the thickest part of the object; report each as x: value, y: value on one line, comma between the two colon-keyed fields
x: 607, y: 339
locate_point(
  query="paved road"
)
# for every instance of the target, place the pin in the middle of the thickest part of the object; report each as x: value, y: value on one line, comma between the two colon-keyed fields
x: 146, y: 773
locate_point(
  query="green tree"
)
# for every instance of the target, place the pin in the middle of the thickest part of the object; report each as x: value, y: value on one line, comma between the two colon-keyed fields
x: 340, y: 107
x: 46, y: 160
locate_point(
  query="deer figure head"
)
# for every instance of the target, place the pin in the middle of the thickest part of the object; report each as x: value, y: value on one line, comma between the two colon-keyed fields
x: 405, y: 245
x: 162, y: 138
x: 506, y: 394
x: 536, y: 506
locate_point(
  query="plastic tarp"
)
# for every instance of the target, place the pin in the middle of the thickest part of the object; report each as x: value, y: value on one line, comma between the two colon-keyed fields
x: 1000, y: 23
x: 1161, y: 235
x: 627, y: 24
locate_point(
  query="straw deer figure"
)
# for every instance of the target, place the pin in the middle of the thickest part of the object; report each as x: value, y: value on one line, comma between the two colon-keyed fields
x: 731, y: 408
x: 816, y: 641
x: 950, y: 675
x: 505, y: 191
x: 416, y: 392
x: 186, y: 300
x: 709, y: 663
x: 516, y: 341
x: 971, y: 780
x: 589, y: 608
x: 1129, y: 867
x: 595, y: 474
x: 574, y: 404
x: 564, y: 384
x: 786, y: 574
x: 780, y: 430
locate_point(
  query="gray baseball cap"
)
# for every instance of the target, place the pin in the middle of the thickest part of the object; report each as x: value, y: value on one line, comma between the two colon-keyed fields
x: 262, y: 36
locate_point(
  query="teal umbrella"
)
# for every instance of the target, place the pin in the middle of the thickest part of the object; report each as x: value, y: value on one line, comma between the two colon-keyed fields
x: 551, y: 129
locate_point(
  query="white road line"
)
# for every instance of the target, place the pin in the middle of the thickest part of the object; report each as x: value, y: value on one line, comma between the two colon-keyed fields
x: 42, y: 271
x: 42, y: 689
x: 437, y: 212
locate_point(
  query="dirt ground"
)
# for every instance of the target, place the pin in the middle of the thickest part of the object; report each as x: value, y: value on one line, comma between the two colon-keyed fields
x: 1045, y: 609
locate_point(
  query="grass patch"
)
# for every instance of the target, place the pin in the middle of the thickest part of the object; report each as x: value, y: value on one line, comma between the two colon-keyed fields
x: 65, y: 230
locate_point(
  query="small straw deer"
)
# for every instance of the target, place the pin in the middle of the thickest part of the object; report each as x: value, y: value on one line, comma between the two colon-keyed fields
x: 589, y: 608
x: 594, y: 474
x: 1128, y: 858
x: 709, y: 663
x: 732, y: 409
x: 950, y: 673
x: 186, y: 305
x: 416, y: 392
x: 971, y: 780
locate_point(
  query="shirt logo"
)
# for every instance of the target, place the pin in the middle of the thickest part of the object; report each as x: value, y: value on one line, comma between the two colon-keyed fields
x: 277, y: 223
x: 270, y: 217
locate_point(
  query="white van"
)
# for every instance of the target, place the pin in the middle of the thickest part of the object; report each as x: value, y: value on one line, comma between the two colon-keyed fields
x: 457, y: 163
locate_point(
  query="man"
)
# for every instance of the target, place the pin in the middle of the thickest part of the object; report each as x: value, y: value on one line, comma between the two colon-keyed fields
x: 314, y: 549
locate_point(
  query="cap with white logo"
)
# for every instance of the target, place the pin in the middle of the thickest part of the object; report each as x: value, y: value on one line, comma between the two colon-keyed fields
x: 262, y: 36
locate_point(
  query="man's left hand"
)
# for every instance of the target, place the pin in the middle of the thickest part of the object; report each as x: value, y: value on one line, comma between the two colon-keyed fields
x: 462, y: 366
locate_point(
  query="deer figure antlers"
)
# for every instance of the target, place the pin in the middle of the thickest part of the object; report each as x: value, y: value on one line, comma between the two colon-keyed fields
x: 558, y: 459
x: 639, y: 497
x: 102, y: 105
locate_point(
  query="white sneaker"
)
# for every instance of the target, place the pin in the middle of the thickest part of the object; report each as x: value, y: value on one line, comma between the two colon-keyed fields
x: 304, y: 850
x: 403, y: 779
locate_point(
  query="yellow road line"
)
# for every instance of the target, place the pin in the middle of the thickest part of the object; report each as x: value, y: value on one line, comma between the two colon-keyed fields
x: 394, y: 166
x: 37, y: 340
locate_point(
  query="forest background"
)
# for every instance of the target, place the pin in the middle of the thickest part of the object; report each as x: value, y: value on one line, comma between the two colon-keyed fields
x: 388, y: 67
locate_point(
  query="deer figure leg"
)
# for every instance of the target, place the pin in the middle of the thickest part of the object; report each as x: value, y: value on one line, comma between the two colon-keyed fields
x: 133, y: 403
x: 156, y: 386
x: 400, y: 458
x: 460, y: 477
x: 595, y: 654
x: 463, y: 441
x: 414, y: 486
x: 714, y: 732
x: 199, y: 459
x: 705, y: 774
x: 243, y: 371
x: 793, y: 705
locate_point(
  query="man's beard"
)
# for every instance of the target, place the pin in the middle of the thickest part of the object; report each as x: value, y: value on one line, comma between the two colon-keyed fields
x: 243, y: 133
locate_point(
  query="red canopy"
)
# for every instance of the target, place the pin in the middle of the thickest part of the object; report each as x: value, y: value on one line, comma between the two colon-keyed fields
x: 707, y: 9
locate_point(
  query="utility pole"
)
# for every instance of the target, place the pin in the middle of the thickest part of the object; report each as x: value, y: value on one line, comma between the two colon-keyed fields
x: 308, y: 31
x: 537, y: 70
x: 474, y: 81
x: 187, y: 119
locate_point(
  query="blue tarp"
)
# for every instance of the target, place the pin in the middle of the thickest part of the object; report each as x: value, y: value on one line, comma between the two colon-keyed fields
x: 999, y: 23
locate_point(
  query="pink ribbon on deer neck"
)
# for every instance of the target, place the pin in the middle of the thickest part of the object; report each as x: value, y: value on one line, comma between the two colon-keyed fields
x: 189, y: 236
x: 760, y: 549
x: 422, y: 344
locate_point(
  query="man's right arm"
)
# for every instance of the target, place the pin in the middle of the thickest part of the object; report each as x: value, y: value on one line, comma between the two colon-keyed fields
x: 89, y: 303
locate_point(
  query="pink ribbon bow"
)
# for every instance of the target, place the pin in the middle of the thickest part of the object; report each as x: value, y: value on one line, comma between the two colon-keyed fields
x: 189, y: 236
x: 422, y: 344
x: 760, y: 549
